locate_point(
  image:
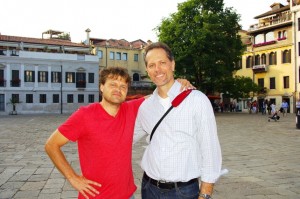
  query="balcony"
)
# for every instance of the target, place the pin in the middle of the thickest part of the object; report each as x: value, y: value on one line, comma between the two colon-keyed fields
x: 2, y: 82
x: 273, y: 21
x: 260, y: 68
x: 15, y: 83
x: 264, y: 43
x: 81, y: 84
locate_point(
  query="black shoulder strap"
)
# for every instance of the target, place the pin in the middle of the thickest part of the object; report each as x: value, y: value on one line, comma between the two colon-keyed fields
x: 178, y: 99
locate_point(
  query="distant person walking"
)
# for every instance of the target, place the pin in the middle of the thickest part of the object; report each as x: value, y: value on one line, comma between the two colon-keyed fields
x: 298, y: 107
x: 284, y: 107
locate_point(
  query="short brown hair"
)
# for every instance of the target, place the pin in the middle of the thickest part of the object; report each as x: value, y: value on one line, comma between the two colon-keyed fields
x: 161, y: 45
x: 114, y: 72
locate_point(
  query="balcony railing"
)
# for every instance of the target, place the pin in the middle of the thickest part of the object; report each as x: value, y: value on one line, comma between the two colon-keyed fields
x: 81, y: 84
x: 15, y: 83
x: 259, y: 68
x: 272, y: 21
x: 2, y: 83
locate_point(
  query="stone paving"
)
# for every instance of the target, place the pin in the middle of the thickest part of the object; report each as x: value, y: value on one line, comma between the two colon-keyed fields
x: 263, y: 158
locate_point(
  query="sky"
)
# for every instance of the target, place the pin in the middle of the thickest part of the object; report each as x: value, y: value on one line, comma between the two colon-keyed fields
x: 107, y: 19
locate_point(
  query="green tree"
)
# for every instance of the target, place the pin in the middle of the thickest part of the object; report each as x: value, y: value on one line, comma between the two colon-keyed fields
x: 238, y: 87
x: 204, y: 38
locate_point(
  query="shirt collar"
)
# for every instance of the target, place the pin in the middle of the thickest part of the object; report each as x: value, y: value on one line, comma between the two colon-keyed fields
x: 172, y: 93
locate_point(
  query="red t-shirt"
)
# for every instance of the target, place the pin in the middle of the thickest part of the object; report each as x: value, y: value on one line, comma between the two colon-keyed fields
x: 105, y: 146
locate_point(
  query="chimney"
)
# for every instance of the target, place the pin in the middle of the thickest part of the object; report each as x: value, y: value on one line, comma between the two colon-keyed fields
x: 87, y: 41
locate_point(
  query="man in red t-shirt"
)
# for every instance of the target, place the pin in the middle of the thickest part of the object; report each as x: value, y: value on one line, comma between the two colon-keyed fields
x: 103, y: 132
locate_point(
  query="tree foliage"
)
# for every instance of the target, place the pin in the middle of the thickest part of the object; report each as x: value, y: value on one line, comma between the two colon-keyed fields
x: 238, y: 87
x: 203, y: 36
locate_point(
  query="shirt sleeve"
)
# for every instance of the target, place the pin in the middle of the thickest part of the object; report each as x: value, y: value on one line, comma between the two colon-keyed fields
x: 74, y: 125
x: 209, y: 142
x: 138, y: 130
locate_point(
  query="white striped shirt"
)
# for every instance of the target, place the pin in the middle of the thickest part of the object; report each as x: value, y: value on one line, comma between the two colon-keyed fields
x: 185, y: 145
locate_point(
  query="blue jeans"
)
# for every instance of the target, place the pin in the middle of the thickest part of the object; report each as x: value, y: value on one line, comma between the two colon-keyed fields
x: 150, y: 191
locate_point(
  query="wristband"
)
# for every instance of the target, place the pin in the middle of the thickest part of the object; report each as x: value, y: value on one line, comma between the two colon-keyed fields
x: 205, y: 196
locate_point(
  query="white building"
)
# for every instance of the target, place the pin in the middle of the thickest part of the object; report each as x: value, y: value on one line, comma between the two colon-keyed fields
x: 51, y: 75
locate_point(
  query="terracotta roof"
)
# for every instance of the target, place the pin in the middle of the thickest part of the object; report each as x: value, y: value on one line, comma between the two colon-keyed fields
x: 121, y: 43
x: 60, y: 42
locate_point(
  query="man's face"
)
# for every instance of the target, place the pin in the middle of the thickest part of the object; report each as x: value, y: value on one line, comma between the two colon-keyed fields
x: 114, y: 90
x: 160, y: 68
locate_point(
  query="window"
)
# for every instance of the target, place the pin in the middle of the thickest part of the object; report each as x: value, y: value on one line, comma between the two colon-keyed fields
x: 70, y: 77
x: 56, y: 77
x: 69, y: 98
x: 286, y: 82
x: 91, y: 78
x: 272, y: 58
x: 249, y: 62
x: 261, y: 82
x: 118, y: 56
x: 15, y: 98
x: 43, y: 98
x: 136, y: 57
x: 100, y: 54
x: 272, y: 83
x: 91, y: 98
x: 124, y: 57
x: 15, y: 80
x: 111, y: 55
x: 135, y: 77
x: 257, y: 60
x: 298, y: 24
x: 284, y: 33
x: 2, y: 80
x: 29, y: 76
x: 55, y: 98
x: 80, y: 98
x: 15, y: 74
x: 29, y: 98
x: 42, y: 76
x: 279, y: 34
x: 286, y: 56
x: 263, y: 59
x: 80, y: 77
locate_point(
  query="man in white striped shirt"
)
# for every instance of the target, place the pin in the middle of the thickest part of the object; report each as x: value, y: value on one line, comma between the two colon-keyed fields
x: 185, y: 148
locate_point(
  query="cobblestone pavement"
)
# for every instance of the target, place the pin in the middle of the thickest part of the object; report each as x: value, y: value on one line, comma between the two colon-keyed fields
x: 263, y: 158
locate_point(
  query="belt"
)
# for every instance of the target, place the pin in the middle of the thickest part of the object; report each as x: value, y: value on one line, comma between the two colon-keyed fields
x: 168, y: 185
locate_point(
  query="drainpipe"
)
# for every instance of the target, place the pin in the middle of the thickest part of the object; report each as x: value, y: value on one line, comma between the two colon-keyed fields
x: 295, y: 59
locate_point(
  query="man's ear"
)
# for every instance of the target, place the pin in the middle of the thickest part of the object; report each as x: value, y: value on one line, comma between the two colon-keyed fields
x: 173, y: 65
x: 101, y: 88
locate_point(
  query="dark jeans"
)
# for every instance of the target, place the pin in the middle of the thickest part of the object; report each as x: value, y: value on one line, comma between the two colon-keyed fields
x: 150, y: 191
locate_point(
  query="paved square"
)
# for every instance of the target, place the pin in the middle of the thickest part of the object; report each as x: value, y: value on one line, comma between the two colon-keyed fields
x: 263, y: 158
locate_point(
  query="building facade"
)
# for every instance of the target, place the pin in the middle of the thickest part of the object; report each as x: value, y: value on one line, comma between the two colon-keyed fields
x: 52, y: 75
x: 113, y: 52
x: 269, y: 59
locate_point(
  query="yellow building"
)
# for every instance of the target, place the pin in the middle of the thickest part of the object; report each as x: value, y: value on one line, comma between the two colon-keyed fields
x: 269, y: 57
